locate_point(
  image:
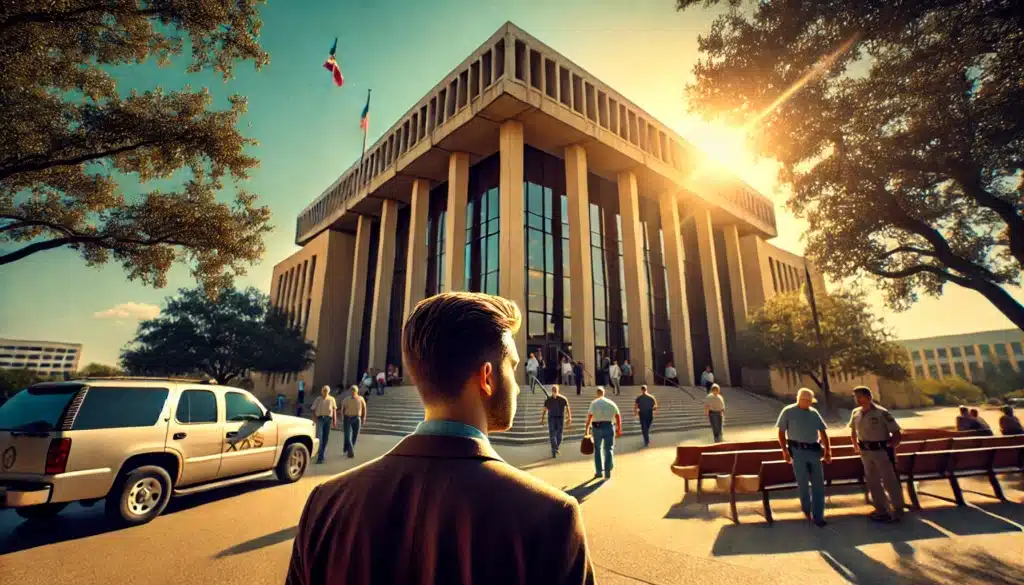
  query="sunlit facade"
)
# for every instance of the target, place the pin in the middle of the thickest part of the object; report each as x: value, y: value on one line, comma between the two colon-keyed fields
x: 521, y: 174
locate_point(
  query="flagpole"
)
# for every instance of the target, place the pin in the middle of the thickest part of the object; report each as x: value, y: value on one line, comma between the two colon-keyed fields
x: 817, y: 331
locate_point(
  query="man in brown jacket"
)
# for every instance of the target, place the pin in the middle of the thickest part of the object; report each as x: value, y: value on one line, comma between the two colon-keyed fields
x: 442, y: 507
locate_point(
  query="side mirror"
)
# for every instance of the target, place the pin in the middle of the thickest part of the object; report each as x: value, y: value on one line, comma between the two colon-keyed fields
x: 267, y: 416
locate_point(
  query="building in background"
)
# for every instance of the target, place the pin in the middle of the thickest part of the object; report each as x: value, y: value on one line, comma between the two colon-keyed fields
x: 967, y: 355
x: 50, y: 358
x: 521, y: 174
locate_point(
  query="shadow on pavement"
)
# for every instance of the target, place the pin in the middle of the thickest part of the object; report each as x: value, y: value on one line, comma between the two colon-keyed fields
x: 973, y: 567
x: 260, y: 542
x: 582, y: 491
x: 78, y: 521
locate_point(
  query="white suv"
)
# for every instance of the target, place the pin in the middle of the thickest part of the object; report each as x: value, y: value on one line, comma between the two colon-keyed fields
x: 135, y: 442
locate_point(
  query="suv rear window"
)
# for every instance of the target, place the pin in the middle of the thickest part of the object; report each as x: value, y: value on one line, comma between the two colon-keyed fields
x: 119, y: 407
x: 36, y: 409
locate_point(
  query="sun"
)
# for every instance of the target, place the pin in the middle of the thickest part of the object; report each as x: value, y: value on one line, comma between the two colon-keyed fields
x: 725, y: 148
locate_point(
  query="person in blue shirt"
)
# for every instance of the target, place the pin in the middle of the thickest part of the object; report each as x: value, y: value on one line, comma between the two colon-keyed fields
x: 805, y: 444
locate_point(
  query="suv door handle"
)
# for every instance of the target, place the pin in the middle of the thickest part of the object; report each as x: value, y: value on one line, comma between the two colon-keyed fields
x: 178, y: 436
x: 232, y: 434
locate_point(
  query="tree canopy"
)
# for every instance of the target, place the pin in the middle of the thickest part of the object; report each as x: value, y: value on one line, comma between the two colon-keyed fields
x: 224, y: 338
x: 898, y: 126
x: 781, y: 334
x: 69, y: 136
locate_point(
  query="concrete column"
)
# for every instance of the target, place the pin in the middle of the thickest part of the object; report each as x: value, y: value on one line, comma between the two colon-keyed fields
x: 737, y: 284
x: 580, y: 267
x: 678, y: 308
x: 924, y: 364
x: 357, y: 303
x: 1011, y: 358
x: 416, y: 259
x: 382, y: 288
x: 712, y: 296
x: 966, y: 364
x: 455, y: 222
x: 512, y: 249
x: 637, y: 309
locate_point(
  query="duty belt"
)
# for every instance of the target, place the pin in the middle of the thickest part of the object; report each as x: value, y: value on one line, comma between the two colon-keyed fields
x: 797, y: 445
x: 873, y: 445
x: 600, y: 423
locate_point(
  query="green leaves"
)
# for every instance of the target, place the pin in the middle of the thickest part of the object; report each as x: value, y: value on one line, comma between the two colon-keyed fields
x: 224, y: 337
x: 68, y: 135
x: 904, y: 154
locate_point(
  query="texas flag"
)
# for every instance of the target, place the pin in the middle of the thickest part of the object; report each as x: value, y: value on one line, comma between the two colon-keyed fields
x: 332, y: 65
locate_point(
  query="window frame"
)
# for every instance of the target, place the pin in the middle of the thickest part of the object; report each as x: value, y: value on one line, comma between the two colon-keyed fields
x: 216, y: 406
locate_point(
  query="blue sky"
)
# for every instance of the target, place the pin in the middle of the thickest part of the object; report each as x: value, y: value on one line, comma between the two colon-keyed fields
x: 309, y: 133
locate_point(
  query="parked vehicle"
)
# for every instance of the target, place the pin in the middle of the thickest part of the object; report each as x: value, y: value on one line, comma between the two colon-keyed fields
x: 133, y: 443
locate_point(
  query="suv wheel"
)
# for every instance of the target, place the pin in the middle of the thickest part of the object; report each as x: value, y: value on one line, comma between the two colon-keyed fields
x: 293, y: 463
x: 139, y: 496
x: 41, y: 512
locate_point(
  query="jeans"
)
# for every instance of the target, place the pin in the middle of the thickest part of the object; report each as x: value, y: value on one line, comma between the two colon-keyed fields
x: 807, y: 470
x: 615, y: 385
x: 646, y: 420
x: 715, y: 418
x: 579, y: 384
x: 604, y: 441
x: 380, y: 388
x: 350, y: 426
x: 531, y: 374
x: 324, y: 428
x: 555, y: 432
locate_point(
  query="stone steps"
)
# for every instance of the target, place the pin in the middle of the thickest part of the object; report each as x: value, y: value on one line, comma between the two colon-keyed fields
x: 399, y: 411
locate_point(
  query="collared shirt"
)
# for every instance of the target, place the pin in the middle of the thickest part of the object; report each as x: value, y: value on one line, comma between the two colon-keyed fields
x: 801, y: 425
x: 324, y: 406
x: 876, y: 424
x: 353, y: 406
x: 603, y: 410
x: 707, y: 377
x: 566, y: 368
x: 449, y: 428
x: 627, y: 370
x: 714, y: 403
x: 670, y: 372
x: 614, y: 371
x: 532, y: 364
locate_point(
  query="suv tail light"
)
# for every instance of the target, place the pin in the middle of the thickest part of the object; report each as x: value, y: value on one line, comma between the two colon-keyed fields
x: 57, y: 456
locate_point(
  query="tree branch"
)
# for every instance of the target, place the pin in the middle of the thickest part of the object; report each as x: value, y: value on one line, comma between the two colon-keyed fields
x: 27, y: 167
x: 908, y: 249
x: 33, y: 248
x: 962, y: 281
x: 71, y: 15
x: 814, y: 379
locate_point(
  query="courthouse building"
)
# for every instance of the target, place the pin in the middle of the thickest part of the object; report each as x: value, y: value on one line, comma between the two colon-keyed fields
x: 521, y: 174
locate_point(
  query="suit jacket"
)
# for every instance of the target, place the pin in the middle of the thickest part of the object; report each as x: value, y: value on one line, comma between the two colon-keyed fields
x: 439, y: 510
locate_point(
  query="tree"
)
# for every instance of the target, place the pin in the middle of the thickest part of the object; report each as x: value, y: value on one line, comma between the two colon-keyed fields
x: 14, y: 380
x: 95, y: 370
x: 224, y: 338
x: 68, y: 135
x: 781, y: 334
x: 898, y: 126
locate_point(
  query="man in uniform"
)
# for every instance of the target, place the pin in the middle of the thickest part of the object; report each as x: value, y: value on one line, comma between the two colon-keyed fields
x: 556, y: 409
x: 805, y: 444
x: 325, y: 417
x: 643, y: 409
x: 602, y: 414
x: 353, y: 415
x: 876, y: 434
x: 455, y: 511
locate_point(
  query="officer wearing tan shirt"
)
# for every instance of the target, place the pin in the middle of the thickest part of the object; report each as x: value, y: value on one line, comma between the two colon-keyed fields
x: 325, y: 415
x: 353, y: 415
x: 876, y: 435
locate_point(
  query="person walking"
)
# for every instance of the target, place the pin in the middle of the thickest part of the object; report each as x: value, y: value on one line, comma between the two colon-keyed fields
x: 524, y: 531
x: 606, y: 364
x: 1008, y: 423
x: 532, y: 365
x: 577, y: 374
x: 615, y: 375
x: 559, y: 416
x: 627, y: 373
x: 325, y: 416
x: 601, y: 415
x: 644, y: 409
x: 805, y: 444
x: 707, y: 378
x: 876, y: 434
x: 566, y: 368
x: 382, y: 382
x: 353, y: 416
x: 714, y: 410
x: 367, y: 383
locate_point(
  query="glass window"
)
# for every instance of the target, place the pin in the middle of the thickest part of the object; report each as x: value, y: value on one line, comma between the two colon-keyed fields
x: 239, y: 407
x: 929, y: 353
x: 600, y: 333
x: 959, y: 367
x: 985, y: 350
x: 942, y: 352
x: 969, y: 350
x: 535, y: 325
x: 920, y: 371
x: 945, y: 369
x: 567, y: 328
x: 492, y: 253
x: 37, y: 409
x: 1016, y: 347
x: 112, y: 408
x: 196, y: 407
x: 955, y: 351
x: 1001, y: 349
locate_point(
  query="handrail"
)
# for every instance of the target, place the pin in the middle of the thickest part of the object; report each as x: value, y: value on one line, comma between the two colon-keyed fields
x: 534, y: 382
x: 670, y: 383
x: 585, y: 370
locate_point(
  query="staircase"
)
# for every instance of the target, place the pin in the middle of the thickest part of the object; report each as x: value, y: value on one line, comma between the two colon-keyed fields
x: 399, y: 411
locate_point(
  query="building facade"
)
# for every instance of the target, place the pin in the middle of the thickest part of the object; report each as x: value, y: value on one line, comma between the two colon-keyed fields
x: 50, y: 358
x: 522, y: 175
x: 968, y: 355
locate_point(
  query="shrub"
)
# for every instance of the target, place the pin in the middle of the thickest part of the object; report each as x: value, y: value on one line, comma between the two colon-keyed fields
x: 950, y: 390
x: 905, y: 394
